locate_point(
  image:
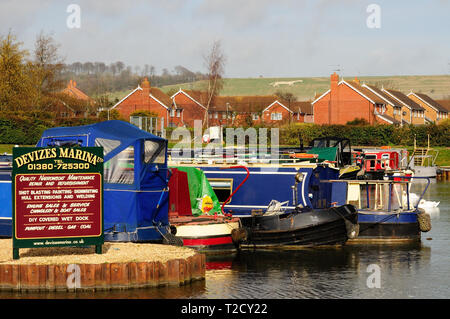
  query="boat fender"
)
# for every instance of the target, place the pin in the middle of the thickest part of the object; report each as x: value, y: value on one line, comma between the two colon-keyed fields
x: 238, y: 235
x: 352, y: 229
x: 424, y: 220
x: 170, y: 239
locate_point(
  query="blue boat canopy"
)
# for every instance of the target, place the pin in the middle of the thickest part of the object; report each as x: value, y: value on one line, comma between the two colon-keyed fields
x: 135, y: 176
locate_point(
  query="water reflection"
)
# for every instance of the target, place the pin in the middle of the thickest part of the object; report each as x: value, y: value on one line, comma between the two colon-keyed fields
x: 314, y: 273
x: 187, y: 291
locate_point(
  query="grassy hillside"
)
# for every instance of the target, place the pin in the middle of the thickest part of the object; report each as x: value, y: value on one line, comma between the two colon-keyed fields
x: 437, y: 86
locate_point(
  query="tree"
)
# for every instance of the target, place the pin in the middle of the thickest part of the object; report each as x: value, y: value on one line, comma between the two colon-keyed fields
x: 46, y: 70
x: 215, y: 64
x: 287, y: 96
x: 14, y: 83
x: 120, y: 66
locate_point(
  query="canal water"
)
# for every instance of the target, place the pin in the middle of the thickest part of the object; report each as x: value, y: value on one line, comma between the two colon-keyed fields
x: 405, y: 271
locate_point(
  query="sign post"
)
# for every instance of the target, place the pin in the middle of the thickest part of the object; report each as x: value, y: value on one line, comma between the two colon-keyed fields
x: 57, y: 197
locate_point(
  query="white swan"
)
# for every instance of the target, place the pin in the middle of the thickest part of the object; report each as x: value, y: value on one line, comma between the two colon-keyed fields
x: 426, y: 205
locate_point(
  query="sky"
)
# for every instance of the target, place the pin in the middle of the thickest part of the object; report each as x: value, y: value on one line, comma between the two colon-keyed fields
x: 283, y: 38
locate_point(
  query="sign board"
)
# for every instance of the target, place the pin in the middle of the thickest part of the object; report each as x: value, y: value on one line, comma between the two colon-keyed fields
x: 57, y: 197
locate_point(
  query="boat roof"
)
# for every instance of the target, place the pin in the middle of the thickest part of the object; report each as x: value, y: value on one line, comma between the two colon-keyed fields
x: 126, y: 133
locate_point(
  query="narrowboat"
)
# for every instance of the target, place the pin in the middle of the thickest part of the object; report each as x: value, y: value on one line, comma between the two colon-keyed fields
x: 333, y: 150
x: 386, y: 213
x: 135, y: 177
x: 195, y: 215
x: 299, y: 228
x: 278, y: 205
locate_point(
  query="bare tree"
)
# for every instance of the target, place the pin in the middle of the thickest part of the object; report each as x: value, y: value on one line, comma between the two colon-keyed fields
x: 48, y: 67
x: 120, y: 66
x: 215, y: 64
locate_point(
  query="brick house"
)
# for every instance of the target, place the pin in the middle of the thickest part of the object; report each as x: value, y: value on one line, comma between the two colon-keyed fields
x: 302, y: 112
x: 434, y: 112
x: 72, y: 102
x: 189, y: 106
x: 237, y: 110
x: 412, y: 113
x: 147, y: 98
x: 346, y: 101
x: 445, y: 104
x: 393, y: 107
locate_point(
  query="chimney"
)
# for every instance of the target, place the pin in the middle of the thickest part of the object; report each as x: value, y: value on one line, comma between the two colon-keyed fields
x: 334, y: 99
x: 145, y: 85
x: 334, y: 80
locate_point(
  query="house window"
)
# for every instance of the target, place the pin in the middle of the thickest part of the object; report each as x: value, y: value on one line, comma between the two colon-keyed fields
x: 216, y: 115
x: 224, y: 115
x: 276, y: 116
x: 178, y: 113
x: 255, y: 116
x: 172, y: 112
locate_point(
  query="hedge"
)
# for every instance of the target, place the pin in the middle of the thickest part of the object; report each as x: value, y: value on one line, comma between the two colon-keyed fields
x: 373, y: 135
x: 26, y: 128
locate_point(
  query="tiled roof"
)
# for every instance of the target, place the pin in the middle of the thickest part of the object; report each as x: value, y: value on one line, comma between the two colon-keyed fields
x: 74, y: 92
x: 366, y: 92
x: 388, y: 118
x: 445, y: 104
x: 405, y: 100
x: 430, y: 101
x: 244, y: 104
x: 161, y: 96
x: 383, y: 95
x: 301, y: 107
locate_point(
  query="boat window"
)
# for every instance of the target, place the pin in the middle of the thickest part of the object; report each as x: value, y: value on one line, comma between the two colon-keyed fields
x: 154, y: 152
x: 107, y: 144
x: 320, y: 143
x: 120, y: 168
x: 222, y: 188
x: 385, y: 156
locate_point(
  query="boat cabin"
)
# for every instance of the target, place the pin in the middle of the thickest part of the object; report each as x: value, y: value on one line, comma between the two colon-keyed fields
x: 135, y: 176
x: 379, y: 162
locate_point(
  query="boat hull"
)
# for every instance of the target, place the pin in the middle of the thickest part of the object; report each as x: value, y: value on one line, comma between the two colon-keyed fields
x: 299, y: 229
x: 425, y: 171
x: 384, y: 227
x: 206, y: 234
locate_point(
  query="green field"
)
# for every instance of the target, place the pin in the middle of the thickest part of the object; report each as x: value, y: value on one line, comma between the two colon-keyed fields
x: 437, y: 86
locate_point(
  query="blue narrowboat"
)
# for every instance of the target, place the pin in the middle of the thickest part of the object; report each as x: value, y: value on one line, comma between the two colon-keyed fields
x: 385, y: 211
x: 135, y: 179
x: 383, y: 207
